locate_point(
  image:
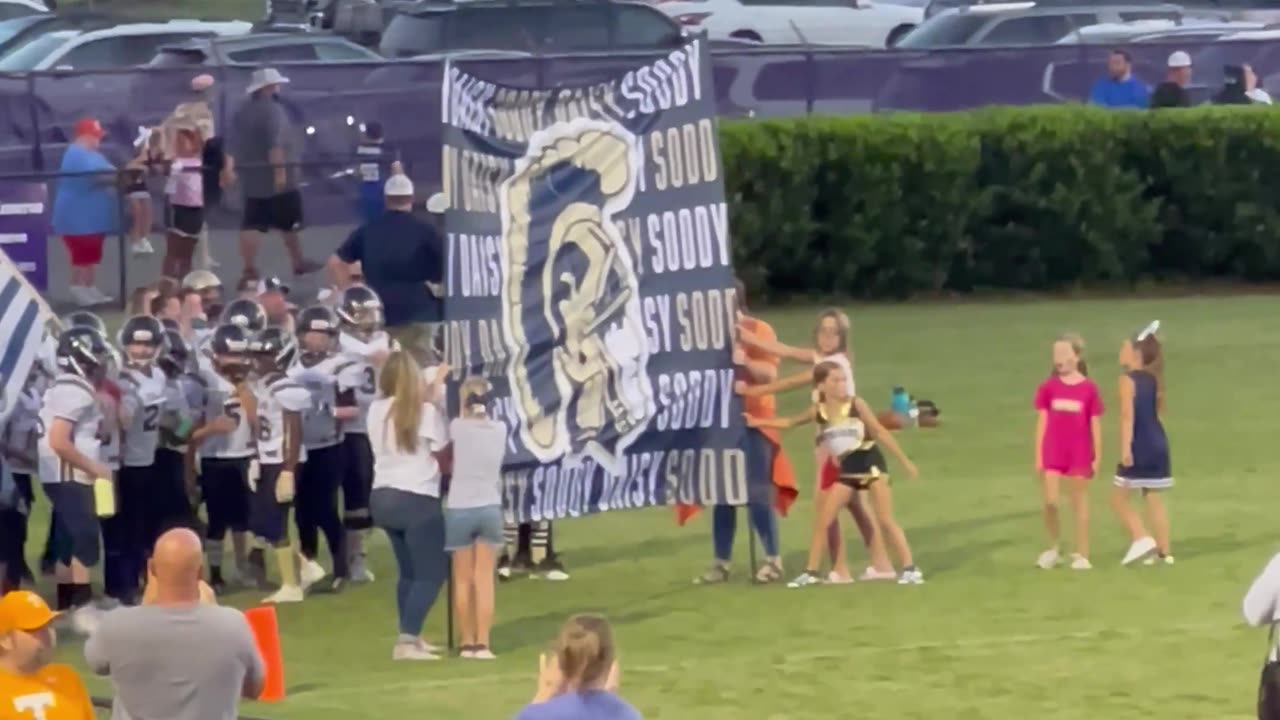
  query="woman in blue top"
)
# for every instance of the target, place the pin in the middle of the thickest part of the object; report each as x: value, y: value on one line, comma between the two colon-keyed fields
x: 580, y: 680
x: 1144, y: 463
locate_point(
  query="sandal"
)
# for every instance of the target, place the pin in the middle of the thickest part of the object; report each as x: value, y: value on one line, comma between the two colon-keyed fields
x: 770, y: 572
x: 715, y: 575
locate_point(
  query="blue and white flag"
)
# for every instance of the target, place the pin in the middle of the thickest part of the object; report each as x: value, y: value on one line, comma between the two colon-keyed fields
x: 590, y: 281
x: 22, y: 330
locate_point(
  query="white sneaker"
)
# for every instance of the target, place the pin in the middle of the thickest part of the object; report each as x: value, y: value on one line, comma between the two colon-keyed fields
x: 805, y: 579
x: 1141, y: 548
x: 480, y: 652
x: 286, y: 594
x: 871, y: 574
x: 911, y: 576
x: 1080, y: 562
x: 412, y: 651
x: 360, y: 571
x: 310, y: 573
x: 85, y: 620
x: 555, y: 574
x: 1048, y: 559
x: 142, y: 247
x: 97, y: 295
x: 82, y: 297
x: 1158, y: 560
x: 835, y: 578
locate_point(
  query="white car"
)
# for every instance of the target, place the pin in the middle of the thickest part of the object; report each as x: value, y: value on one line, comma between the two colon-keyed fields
x: 125, y: 45
x: 789, y: 22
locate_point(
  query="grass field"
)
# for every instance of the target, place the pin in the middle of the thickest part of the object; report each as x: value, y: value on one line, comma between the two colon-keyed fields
x: 988, y: 636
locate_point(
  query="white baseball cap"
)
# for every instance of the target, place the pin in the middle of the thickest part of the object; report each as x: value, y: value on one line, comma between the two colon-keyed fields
x: 1179, y: 59
x: 398, y: 186
x: 438, y: 203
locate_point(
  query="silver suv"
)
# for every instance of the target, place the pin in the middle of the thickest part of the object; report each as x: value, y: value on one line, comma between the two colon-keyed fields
x: 1024, y: 23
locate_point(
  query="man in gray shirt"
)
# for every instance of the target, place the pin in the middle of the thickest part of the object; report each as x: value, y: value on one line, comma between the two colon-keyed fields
x: 266, y: 152
x: 176, y: 658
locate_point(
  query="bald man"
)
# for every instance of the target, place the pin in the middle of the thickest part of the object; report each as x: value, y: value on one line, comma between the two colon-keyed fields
x: 146, y: 650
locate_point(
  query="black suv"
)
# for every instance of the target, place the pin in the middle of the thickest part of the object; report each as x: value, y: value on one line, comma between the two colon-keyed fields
x: 532, y: 26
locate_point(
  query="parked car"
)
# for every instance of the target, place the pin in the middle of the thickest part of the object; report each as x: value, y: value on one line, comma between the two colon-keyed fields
x: 1194, y: 29
x: 535, y: 26
x: 262, y: 48
x: 1247, y: 10
x: 788, y: 22
x: 125, y: 45
x: 1024, y: 23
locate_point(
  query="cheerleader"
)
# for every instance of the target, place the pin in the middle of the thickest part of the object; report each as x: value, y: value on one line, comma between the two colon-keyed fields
x: 1144, y: 462
x: 830, y: 344
x: 851, y: 436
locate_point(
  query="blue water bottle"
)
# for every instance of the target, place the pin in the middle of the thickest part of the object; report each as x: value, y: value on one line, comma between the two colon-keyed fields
x: 900, y: 403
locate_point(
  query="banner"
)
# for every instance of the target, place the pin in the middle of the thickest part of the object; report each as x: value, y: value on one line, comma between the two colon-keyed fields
x: 590, y: 280
x: 24, y: 229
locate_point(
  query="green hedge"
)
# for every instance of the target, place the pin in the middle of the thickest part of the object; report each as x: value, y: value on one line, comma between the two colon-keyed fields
x: 1020, y: 198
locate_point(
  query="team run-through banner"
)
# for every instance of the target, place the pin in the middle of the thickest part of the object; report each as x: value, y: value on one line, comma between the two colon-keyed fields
x: 590, y: 280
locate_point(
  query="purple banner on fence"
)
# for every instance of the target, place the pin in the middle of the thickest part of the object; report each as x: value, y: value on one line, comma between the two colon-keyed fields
x: 24, y: 229
x: 328, y: 103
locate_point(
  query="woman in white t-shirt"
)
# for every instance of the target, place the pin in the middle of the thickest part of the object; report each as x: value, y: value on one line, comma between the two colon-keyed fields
x: 405, y: 431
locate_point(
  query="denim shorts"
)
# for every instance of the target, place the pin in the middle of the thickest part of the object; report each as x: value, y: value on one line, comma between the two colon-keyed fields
x: 465, y: 526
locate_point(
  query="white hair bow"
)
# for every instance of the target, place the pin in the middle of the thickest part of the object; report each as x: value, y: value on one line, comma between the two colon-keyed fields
x: 1149, y: 330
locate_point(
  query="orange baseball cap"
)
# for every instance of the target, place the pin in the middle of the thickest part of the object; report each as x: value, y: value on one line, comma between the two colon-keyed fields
x: 24, y: 610
x: 90, y: 127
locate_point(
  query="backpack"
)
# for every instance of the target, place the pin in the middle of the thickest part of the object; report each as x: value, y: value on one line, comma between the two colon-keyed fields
x: 1269, y: 682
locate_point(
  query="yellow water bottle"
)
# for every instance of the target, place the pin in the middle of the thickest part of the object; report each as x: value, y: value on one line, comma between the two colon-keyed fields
x: 104, y: 497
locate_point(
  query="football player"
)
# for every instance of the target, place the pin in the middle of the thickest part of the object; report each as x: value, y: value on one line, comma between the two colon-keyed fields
x: 70, y: 461
x: 175, y: 495
x: 365, y: 345
x: 280, y: 457
x: 208, y: 288
x: 332, y: 405
x: 126, y: 535
x: 19, y: 449
x: 225, y: 445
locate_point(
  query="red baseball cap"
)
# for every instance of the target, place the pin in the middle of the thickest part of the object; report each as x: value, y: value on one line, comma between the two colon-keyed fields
x: 89, y: 127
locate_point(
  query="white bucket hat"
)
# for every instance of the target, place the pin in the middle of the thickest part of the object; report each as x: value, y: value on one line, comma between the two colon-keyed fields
x: 264, y: 77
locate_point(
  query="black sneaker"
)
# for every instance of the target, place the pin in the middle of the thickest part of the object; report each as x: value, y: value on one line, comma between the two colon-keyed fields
x: 522, y: 564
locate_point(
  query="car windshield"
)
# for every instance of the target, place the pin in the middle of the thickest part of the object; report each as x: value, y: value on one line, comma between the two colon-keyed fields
x: 944, y: 31
x: 410, y: 35
x: 28, y: 56
x: 9, y: 28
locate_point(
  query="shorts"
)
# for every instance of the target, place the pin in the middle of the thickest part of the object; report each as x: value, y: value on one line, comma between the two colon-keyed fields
x: 281, y: 212
x: 464, y: 527
x: 186, y: 221
x: 77, y: 519
x: 224, y: 484
x: 85, y: 250
x: 137, y: 190
x: 357, y: 481
x: 862, y: 468
x: 268, y: 518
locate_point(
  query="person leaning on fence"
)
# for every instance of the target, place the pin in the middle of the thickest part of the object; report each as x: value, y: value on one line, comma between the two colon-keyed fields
x: 179, y: 655
x: 185, y: 190
x: 86, y: 209
x: 217, y: 168
x: 30, y: 687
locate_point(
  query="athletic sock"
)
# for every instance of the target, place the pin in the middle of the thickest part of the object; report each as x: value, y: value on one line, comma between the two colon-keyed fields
x: 288, y: 568
x: 63, y: 597
x: 81, y: 594
x: 213, y: 557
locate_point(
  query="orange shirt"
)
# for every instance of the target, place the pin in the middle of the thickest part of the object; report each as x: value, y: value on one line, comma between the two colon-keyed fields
x: 54, y: 692
x: 762, y: 406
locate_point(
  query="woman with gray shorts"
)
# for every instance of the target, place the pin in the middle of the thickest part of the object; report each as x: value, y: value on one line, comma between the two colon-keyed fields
x: 473, y: 514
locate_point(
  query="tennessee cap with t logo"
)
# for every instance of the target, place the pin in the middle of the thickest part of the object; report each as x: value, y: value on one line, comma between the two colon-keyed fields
x: 24, y: 610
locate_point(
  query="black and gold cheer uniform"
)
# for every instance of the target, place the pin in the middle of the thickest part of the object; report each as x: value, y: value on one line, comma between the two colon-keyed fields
x: 854, y: 452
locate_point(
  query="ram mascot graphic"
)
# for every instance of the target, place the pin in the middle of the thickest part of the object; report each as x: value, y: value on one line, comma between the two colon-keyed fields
x: 570, y: 296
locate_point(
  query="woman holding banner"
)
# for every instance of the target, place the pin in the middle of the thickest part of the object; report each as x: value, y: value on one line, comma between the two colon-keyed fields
x: 755, y: 367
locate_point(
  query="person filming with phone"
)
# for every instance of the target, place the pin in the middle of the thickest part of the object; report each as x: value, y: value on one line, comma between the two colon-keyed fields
x: 579, y: 679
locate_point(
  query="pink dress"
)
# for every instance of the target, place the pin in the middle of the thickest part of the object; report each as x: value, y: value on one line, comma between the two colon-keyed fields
x: 1068, y: 435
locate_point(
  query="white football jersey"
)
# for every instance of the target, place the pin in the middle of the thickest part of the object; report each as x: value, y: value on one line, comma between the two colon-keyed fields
x: 70, y: 398
x: 278, y: 394
x: 144, y: 398
x: 221, y: 399
x: 188, y: 392
x: 359, y: 376
x: 320, y: 429
x: 21, y: 432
